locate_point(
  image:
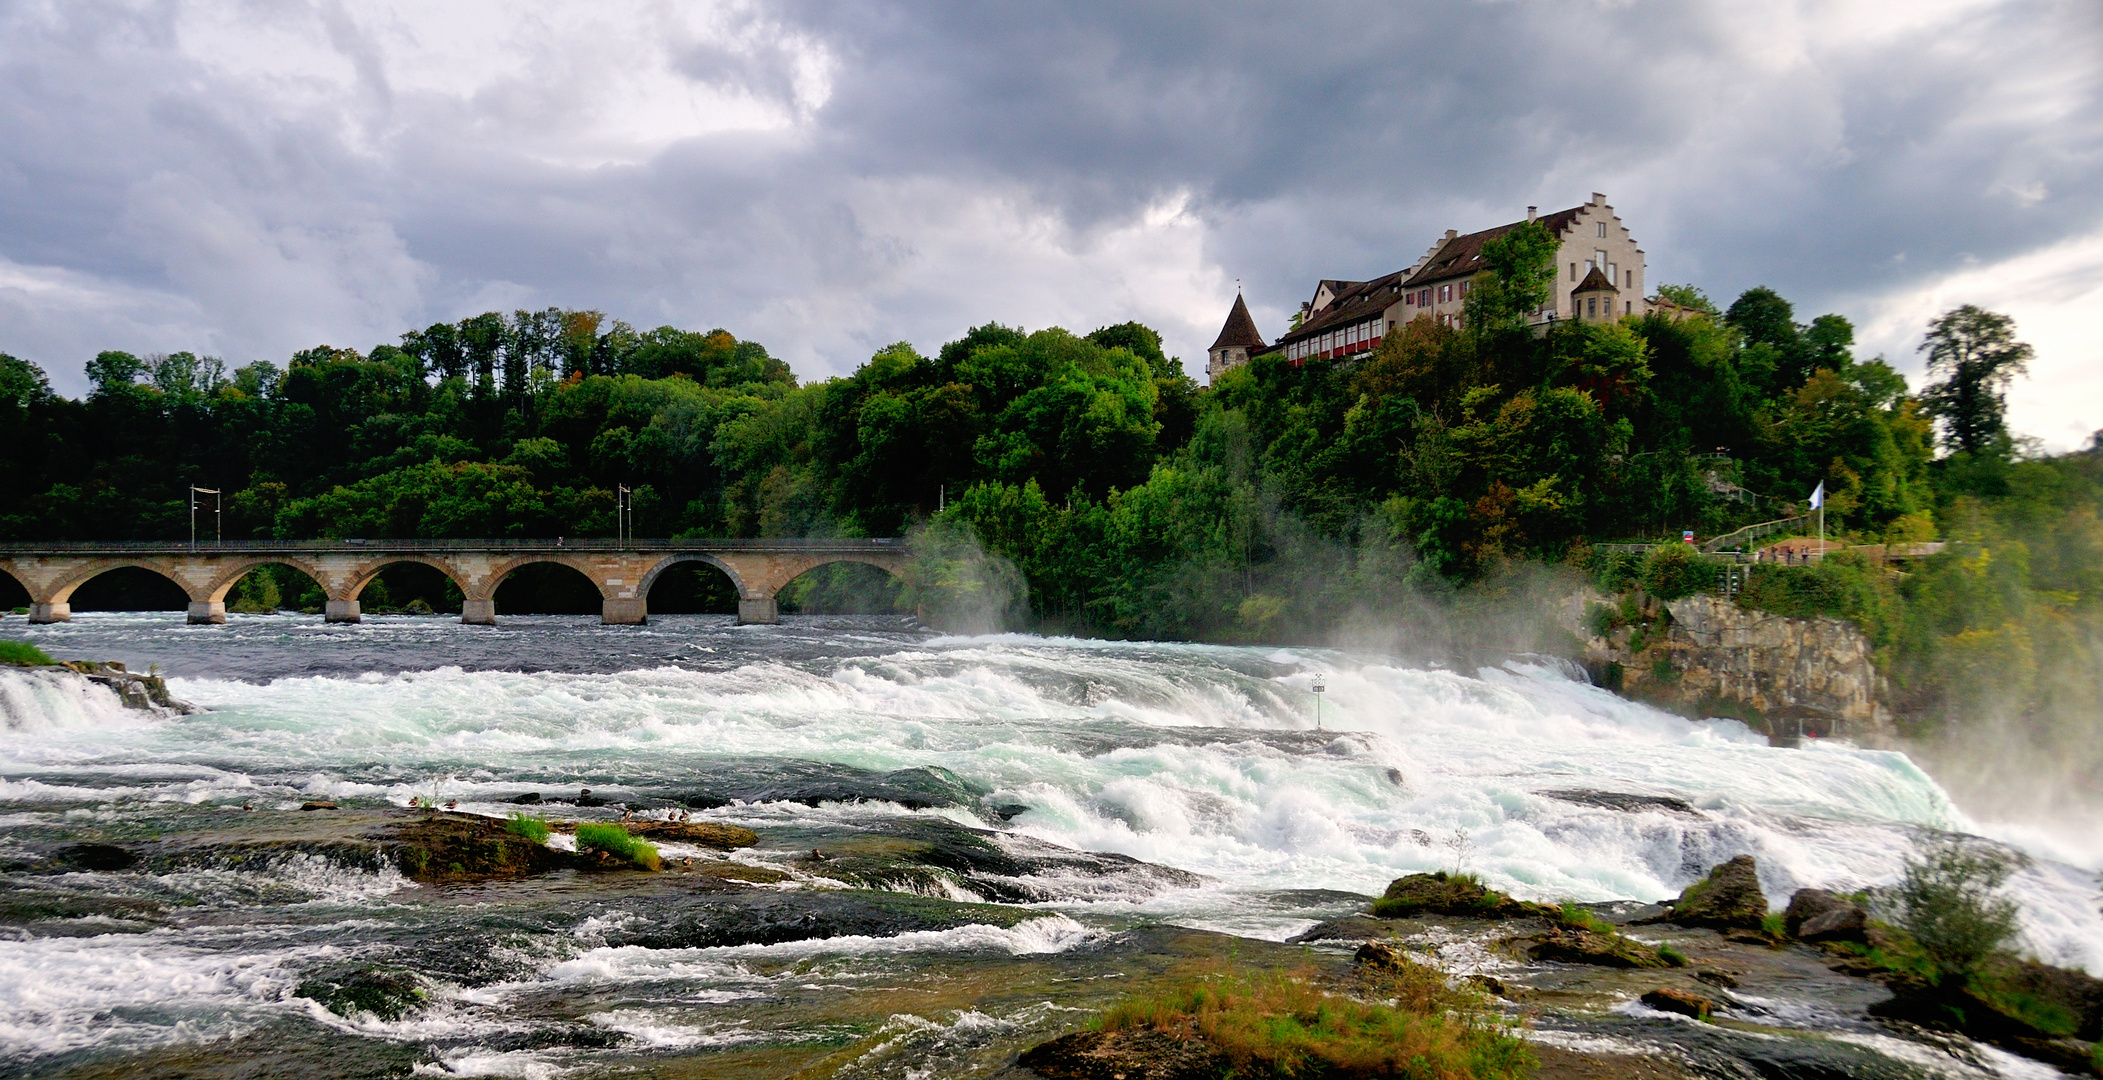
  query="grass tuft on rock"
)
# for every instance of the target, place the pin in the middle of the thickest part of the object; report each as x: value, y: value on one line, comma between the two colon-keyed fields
x: 22, y: 652
x: 529, y: 826
x: 1281, y: 1024
x: 1462, y: 895
x: 619, y: 843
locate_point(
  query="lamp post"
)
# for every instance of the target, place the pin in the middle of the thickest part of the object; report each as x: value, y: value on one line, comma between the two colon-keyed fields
x: 1319, y: 686
x: 218, y: 516
x: 621, y: 515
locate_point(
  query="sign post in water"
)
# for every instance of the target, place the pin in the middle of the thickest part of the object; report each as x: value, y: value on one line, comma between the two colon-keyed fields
x: 1318, y: 688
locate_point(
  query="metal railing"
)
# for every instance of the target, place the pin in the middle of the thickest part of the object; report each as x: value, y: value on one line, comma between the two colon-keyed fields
x: 1751, y: 532
x: 357, y: 546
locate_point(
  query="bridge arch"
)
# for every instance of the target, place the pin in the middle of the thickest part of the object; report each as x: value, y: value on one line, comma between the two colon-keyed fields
x: 832, y: 584
x: 554, y: 585
x: 650, y: 576
x: 237, y: 569
x: 69, y: 590
x: 14, y: 592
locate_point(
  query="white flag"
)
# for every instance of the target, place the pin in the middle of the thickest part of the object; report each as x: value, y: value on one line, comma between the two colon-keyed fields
x: 1818, y: 497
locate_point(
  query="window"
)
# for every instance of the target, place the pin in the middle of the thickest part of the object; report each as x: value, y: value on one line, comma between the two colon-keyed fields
x: 1613, y: 273
x: 1573, y: 271
x: 1464, y: 287
x: 1391, y: 326
x: 1628, y: 307
x: 1592, y: 306
x: 1602, y: 228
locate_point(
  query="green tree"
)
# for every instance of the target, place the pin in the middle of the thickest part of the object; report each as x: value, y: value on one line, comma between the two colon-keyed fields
x: 1977, y: 354
x: 1519, y: 277
x: 1947, y: 899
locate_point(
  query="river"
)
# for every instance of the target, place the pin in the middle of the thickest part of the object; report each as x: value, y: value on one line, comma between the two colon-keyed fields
x: 1204, y: 759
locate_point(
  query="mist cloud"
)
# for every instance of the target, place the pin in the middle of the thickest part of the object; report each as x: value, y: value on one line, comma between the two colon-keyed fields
x: 828, y: 177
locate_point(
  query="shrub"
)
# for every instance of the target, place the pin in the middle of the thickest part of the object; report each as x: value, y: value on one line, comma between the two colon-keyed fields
x: 1947, y: 902
x: 619, y: 843
x: 1676, y: 570
x: 1278, y: 1024
x: 1672, y: 956
x: 22, y: 652
x: 526, y: 825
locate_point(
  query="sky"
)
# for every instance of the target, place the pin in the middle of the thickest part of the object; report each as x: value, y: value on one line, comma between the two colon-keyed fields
x: 245, y: 178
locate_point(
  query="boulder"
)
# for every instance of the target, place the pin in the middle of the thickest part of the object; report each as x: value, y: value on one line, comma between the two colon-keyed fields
x: 1565, y: 946
x: 1448, y: 894
x: 700, y: 833
x: 1682, y: 1002
x: 1818, y: 915
x: 1728, y: 899
x: 1128, y: 1054
x: 1381, y: 956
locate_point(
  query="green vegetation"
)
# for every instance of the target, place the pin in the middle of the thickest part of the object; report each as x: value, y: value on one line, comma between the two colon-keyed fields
x: 1279, y: 1024
x: 1775, y: 925
x: 1671, y: 956
x: 1442, y: 893
x: 1948, y: 903
x: 22, y: 652
x: 1113, y: 496
x: 619, y: 843
x: 531, y: 826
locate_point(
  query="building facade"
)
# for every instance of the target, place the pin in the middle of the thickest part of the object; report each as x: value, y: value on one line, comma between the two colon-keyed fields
x: 1599, y: 275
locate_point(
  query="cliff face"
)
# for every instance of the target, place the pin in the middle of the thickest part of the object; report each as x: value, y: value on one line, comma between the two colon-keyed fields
x: 1706, y: 656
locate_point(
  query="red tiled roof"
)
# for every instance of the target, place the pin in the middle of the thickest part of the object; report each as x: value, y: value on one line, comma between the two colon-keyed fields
x: 1240, y: 330
x: 1462, y: 256
x: 1357, y: 301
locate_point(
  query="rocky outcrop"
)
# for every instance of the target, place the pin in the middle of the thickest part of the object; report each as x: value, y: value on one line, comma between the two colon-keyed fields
x: 1728, y: 899
x: 136, y: 691
x: 1817, y: 915
x: 1704, y: 656
x: 1449, y: 894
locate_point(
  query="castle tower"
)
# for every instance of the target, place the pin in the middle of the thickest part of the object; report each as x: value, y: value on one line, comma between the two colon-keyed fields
x: 1236, y: 339
x: 1593, y: 299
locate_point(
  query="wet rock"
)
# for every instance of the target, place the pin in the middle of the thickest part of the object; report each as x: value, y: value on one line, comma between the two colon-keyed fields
x: 1728, y: 899
x: 317, y: 804
x: 1133, y: 1054
x: 1685, y: 1003
x: 1567, y: 946
x: 699, y: 833
x: 95, y: 857
x: 1817, y: 915
x: 531, y: 798
x: 387, y: 993
x: 1720, y: 979
x: 812, y: 783
x: 1490, y: 984
x: 1619, y: 800
x: 146, y: 692
x: 736, y: 915
x: 938, y: 857
x: 1448, y: 894
x: 457, y: 847
x: 1382, y: 956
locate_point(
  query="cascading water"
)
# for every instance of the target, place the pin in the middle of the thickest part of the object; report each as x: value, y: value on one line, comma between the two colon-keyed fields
x: 1199, y: 758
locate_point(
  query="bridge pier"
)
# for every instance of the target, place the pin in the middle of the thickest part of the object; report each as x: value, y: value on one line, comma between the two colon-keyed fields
x: 624, y: 611
x: 207, y: 612
x: 760, y: 610
x: 341, y: 611
x: 51, y: 613
x: 479, y: 612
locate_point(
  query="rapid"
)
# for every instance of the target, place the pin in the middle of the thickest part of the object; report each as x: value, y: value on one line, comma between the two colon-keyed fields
x: 1205, y: 759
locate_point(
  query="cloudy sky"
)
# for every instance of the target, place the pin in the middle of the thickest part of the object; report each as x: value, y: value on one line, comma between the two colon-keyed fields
x: 247, y: 178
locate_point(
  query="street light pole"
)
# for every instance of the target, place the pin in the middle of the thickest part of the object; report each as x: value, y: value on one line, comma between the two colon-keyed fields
x: 620, y: 527
x: 1319, y: 686
x: 218, y: 516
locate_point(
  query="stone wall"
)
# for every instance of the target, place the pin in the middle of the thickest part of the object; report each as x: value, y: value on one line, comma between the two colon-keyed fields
x: 1706, y: 656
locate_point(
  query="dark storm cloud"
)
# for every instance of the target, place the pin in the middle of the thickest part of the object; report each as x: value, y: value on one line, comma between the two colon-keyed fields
x: 907, y: 170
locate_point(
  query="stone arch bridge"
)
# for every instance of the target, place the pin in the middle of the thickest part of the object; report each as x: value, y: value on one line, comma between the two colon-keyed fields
x: 622, y: 571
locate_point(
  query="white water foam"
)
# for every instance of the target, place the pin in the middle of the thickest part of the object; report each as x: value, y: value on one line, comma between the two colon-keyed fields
x: 1198, y: 757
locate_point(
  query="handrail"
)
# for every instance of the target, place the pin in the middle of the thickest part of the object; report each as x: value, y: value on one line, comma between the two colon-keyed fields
x: 354, y: 546
x: 1751, y: 532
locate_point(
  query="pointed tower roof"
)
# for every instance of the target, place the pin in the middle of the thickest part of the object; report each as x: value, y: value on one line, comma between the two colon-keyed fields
x: 1240, y: 329
x: 1595, y: 282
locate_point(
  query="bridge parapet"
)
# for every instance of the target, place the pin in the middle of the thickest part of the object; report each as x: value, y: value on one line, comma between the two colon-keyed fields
x: 622, y: 571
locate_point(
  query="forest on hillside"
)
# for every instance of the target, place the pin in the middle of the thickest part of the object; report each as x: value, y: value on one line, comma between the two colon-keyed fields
x: 1128, y: 500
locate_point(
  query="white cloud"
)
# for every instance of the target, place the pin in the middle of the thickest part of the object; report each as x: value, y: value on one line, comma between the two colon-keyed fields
x: 2053, y: 295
